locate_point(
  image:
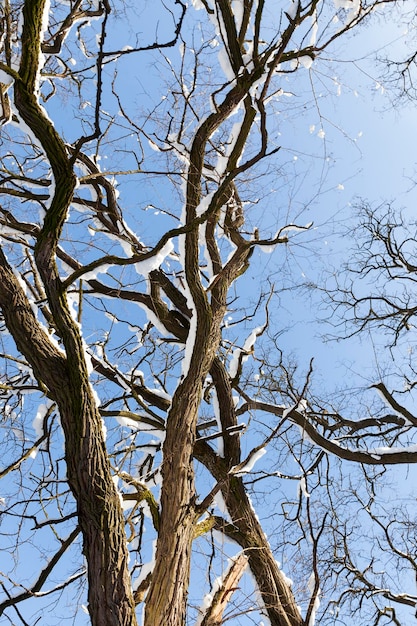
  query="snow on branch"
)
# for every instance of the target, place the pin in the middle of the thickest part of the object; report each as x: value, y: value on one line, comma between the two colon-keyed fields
x: 215, y: 602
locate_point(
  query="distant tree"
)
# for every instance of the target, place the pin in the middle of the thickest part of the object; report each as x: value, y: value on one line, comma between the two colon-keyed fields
x: 141, y: 375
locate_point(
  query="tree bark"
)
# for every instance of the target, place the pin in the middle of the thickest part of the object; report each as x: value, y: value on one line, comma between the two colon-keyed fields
x: 166, y: 601
x: 99, y: 511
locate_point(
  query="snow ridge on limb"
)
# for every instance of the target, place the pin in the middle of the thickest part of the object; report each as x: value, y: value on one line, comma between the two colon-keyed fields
x: 216, y: 601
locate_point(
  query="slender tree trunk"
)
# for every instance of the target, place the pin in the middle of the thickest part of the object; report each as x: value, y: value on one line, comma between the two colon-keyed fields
x: 166, y: 602
x: 276, y: 594
x: 245, y: 530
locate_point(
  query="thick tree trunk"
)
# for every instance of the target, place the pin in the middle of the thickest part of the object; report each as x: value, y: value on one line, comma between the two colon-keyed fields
x: 98, y: 504
x: 166, y: 601
x: 100, y: 516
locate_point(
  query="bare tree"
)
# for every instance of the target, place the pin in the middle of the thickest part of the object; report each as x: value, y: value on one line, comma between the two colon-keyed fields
x: 135, y: 140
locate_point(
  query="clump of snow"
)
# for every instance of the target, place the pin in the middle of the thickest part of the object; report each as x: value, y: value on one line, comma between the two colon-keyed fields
x: 73, y: 298
x: 220, y: 503
x: 204, y: 203
x: 314, y: 29
x: 155, y: 261
x: 289, y: 581
x: 92, y: 274
x: 253, y: 458
x: 302, y: 487
x: 378, y: 452
x: 237, y: 10
x: 37, y: 423
x: 240, y: 355
x: 197, y: 4
x: 88, y: 360
x: 306, y: 61
x: 146, y: 568
x: 226, y: 65
x: 95, y: 396
x: 292, y: 9
x: 223, y: 159
x: 216, y: 407
x: 224, y: 60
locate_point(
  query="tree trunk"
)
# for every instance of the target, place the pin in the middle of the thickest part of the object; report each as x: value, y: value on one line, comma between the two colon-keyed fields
x: 276, y: 594
x: 99, y: 510
x: 65, y: 376
x: 167, y: 598
x: 100, y: 516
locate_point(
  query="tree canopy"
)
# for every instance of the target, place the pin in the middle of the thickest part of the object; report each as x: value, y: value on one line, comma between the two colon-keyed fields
x: 167, y: 459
